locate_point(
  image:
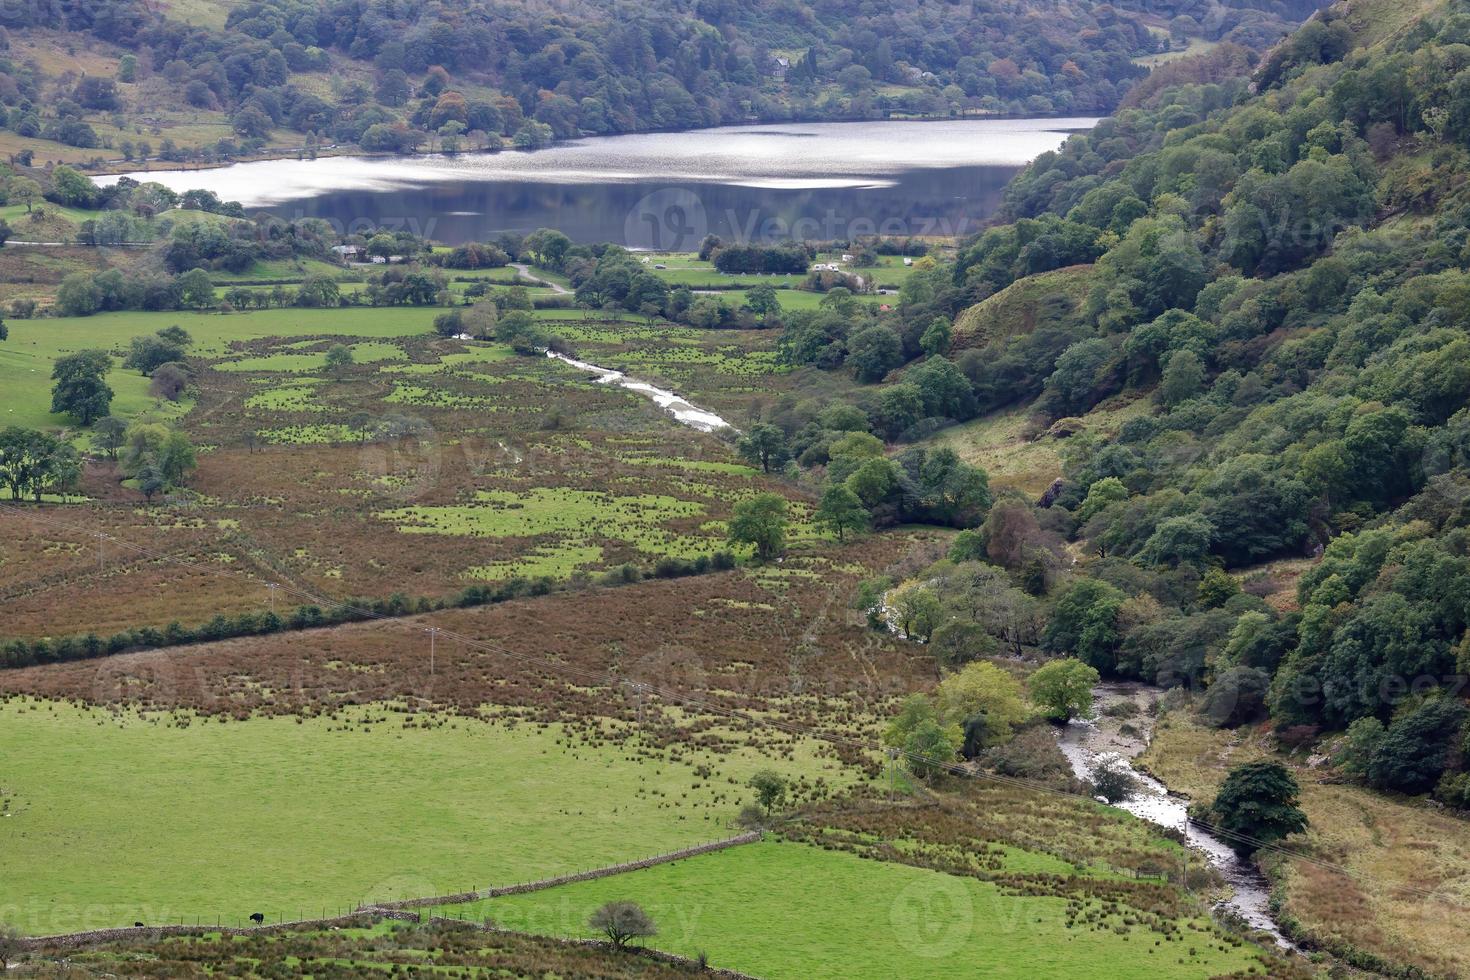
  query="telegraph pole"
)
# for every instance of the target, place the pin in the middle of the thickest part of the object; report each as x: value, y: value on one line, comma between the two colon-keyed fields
x: 272, y: 587
x: 433, y: 633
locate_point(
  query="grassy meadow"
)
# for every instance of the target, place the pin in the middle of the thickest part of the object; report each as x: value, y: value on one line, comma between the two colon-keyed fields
x: 117, y: 816
x: 779, y: 909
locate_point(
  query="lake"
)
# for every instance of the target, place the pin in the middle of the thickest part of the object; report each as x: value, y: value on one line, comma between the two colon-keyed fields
x: 666, y: 190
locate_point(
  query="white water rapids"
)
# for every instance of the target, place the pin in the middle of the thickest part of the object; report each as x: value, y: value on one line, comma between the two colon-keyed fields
x: 1083, y: 742
x: 681, y: 408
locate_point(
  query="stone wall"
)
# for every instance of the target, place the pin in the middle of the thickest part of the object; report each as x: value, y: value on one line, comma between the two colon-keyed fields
x: 379, y: 910
x: 595, y: 873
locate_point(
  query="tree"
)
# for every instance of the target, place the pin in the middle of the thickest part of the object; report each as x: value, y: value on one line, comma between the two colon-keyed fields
x: 78, y: 295
x: 1257, y: 806
x: 1184, y: 378
x: 929, y: 746
x: 761, y: 521
x: 917, y: 610
x: 1112, y: 778
x: 81, y: 387
x: 1062, y: 689
x: 339, y: 356
x: 319, y: 292
x: 622, y: 922
x: 4, y: 331
x: 936, y: 337
x: 108, y: 435
x: 770, y: 789
x: 196, y: 289
x: 1109, y: 490
x: 981, y: 691
x: 1412, y: 754
x: 1236, y: 697
x: 763, y: 301
x: 1084, y: 623
x: 548, y: 246
x: 764, y: 445
x: 1181, y: 540
x: 1364, y: 736
x: 72, y: 188
x: 1216, y: 588
x: 450, y: 324
x: 23, y: 190
x: 841, y: 511
x: 873, y: 352
x: 154, y: 451
x: 150, y: 481
x: 147, y: 353
x: 169, y: 381
x: 176, y: 334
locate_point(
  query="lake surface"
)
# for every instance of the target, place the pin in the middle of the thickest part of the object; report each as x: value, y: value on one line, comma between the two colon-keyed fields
x: 666, y: 190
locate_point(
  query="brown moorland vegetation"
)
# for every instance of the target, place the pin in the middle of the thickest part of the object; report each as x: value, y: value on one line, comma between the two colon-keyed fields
x: 781, y: 642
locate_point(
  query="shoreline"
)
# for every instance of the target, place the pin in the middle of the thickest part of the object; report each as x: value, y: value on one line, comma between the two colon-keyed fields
x: 120, y: 168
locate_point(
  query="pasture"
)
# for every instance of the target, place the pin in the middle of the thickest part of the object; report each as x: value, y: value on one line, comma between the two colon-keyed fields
x: 116, y: 816
x: 779, y: 909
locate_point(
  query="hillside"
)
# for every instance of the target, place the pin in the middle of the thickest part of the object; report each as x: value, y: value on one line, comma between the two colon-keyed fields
x: 207, y: 80
x: 1231, y: 322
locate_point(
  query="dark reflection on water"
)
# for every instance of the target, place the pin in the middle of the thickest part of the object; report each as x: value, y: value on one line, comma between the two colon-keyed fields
x: 657, y: 214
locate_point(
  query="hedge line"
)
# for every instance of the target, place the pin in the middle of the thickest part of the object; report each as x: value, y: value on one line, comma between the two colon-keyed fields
x: 46, y: 650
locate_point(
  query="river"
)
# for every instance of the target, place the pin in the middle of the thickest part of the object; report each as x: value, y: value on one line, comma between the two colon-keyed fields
x: 1083, y: 742
x: 683, y: 410
x: 814, y: 181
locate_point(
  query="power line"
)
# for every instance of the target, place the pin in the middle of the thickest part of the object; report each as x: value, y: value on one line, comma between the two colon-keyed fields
x: 610, y: 679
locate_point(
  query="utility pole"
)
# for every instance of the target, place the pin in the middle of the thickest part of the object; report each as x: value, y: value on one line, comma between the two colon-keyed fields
x: 433, y: 633
x: 892, y: 776
x: 272, y: 587
x: 101, y: 553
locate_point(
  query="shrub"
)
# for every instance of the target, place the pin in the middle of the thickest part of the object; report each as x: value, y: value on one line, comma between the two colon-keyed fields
x: 622, y: 922
x: 1112, y: 778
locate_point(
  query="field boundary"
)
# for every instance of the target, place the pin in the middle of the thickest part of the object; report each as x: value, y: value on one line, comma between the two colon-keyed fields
x: 567, y: 879
x: 371, y: 912
x: 95, y: 937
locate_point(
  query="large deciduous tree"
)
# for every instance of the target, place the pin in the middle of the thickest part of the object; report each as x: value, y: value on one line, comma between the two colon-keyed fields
x: 81, y: 385
x: 761, y: 522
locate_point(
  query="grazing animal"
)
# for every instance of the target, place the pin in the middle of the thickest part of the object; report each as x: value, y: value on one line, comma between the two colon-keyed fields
x: 257, y: 918
x: 137, y: 925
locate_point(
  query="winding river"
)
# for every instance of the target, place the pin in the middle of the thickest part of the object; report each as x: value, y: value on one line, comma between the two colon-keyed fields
x: 1084, y: 742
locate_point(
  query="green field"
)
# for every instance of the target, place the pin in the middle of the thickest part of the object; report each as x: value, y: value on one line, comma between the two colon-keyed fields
x: 116, y: 817
x: 26, y: 358
x: 778, y: 909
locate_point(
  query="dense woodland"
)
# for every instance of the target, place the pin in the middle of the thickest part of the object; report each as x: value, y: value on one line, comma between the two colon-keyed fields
x: 1280, y: 275
x: 400, y: 76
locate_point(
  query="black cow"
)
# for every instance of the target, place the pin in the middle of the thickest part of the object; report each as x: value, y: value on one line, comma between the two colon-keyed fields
x: 137, y: 925
x: 257, y: 918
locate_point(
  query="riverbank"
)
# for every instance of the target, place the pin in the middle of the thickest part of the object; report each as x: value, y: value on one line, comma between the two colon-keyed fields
x: 1123, y: 727
x: 1404, y: 893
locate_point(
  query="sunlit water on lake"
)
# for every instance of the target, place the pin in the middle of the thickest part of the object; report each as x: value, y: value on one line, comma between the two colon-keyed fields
x: 667, y: 190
